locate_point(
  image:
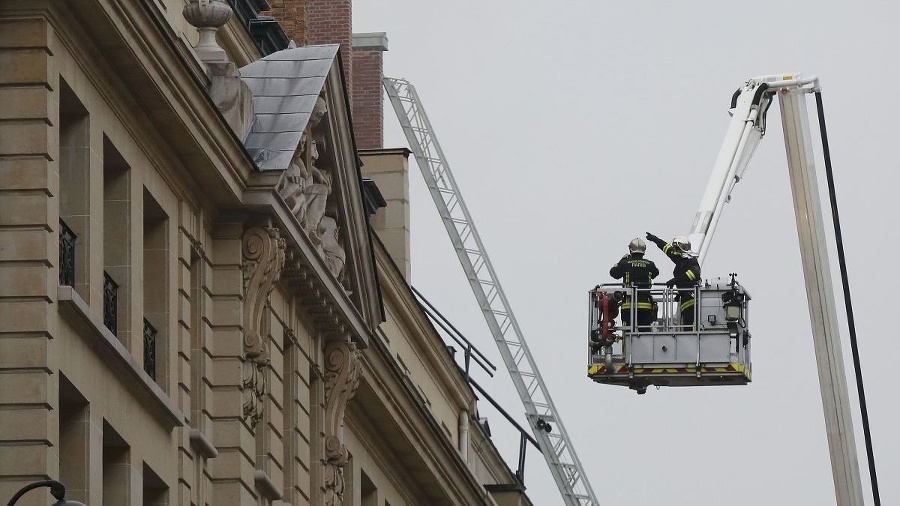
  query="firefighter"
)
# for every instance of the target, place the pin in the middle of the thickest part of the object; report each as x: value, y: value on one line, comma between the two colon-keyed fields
x: 635, y: 270
x: 685, y: 274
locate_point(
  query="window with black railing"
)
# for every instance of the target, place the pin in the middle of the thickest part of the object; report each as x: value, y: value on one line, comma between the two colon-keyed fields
x: 149, y: 349
x: 110, y: 302
x: 67, y: 240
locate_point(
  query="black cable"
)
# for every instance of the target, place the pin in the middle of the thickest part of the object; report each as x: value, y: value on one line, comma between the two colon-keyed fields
x: 846, y: 284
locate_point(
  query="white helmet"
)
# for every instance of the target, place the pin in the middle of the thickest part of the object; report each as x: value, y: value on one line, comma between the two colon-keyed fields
x: 682, y: 245
x: 637, y: 245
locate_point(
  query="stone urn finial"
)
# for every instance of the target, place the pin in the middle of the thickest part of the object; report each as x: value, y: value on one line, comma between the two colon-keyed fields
x: 208, y: 16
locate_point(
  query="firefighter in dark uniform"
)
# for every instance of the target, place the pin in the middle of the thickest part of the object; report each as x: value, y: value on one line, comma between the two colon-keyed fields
x: 635, y: 270
x: 685, y: 275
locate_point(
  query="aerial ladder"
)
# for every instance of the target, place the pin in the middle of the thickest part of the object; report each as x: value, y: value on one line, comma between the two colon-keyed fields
x: 667, y: 354
x: 542, y: 416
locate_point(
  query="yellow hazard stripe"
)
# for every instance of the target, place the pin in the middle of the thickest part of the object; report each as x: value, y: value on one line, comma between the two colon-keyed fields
x: 623, y: 369
x: 686, y: 304
x: 690, y: 275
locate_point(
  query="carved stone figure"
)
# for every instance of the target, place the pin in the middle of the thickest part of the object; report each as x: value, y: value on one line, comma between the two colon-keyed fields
x: 331, y: 249
x: 317, y: 195
x: 305, y: 187
x: 291, y: 187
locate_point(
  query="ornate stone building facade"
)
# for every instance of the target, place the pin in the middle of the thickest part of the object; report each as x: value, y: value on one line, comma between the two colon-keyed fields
x: 202, y: 301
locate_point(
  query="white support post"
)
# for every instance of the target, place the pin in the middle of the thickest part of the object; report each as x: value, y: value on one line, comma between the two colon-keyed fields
x: 820, y: 296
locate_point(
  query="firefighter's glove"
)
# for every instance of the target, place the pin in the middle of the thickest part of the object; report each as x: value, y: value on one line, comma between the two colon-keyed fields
x: 670, y: 283
x: 651, y: 237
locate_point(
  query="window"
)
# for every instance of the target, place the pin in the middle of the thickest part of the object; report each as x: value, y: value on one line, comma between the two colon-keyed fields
x: 116, y: 468
x: 74, y: 440
x: 116, y: 243
x: 74, y: 198
x: 368, y: 492
x: 155, y: 491
x: 156, y: 289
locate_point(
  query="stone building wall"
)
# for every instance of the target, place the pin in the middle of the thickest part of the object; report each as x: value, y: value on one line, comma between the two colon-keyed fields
x: 233, y: 366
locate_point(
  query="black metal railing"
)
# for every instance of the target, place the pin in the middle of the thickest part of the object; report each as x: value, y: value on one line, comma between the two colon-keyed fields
x: 67, y: 240
x: 110, y: 302
x: 149, y: 349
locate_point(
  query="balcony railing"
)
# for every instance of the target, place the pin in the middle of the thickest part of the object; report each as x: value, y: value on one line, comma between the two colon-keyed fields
x: 110, y: 302
x: 67, y: 240
x: 149, y: 349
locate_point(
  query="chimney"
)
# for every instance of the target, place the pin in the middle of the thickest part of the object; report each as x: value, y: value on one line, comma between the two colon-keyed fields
x: 389, y: 169
x: 312, y: 22
x: 291, y: 15
x: 329, y: 22
x: 368, y: 101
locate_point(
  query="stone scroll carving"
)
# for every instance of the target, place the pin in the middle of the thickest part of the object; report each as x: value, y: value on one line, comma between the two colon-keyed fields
x: 341, y: 379
x: 306, y: 187
x: 263, y: 259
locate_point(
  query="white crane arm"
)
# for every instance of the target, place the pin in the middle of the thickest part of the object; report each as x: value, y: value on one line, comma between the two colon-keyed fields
x: 747, y: 127
x: 744, y: 133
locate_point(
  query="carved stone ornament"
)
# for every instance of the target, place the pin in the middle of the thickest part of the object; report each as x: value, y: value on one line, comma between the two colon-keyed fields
x: 306, y: 187
x: 263, y: 260
x: 208, y: 16
x: 341, y: 379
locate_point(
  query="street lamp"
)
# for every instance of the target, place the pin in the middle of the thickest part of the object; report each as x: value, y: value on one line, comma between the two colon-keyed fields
x: 57, y: 490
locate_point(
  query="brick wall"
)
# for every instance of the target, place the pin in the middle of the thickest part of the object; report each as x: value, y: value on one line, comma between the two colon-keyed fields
x: 291, y: 15
x: 367, y: 96
x: 311, y: 22
x: 329, y: 22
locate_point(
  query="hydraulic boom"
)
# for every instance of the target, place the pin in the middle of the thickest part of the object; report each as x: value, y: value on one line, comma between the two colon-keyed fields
x: 748, y: 125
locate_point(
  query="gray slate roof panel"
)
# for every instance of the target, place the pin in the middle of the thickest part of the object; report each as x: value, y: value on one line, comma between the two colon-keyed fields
x: 277, y: 123
x: 285, y: 86
x: 318, y: 52
x: 274, y: 105
x: 289, y: 68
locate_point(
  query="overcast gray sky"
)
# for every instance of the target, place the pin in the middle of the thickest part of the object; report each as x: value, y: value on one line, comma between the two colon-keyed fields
x: 572, y: 127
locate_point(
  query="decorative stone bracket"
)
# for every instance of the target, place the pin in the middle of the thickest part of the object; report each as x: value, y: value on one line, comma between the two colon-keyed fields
x: 263, y: 260
x: 342, y: 369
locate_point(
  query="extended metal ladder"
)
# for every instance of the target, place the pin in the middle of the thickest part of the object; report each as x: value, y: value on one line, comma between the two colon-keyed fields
x: 545, y: 422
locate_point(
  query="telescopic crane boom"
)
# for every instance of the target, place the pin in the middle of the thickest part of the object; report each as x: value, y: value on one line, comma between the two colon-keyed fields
x: 748, y: 125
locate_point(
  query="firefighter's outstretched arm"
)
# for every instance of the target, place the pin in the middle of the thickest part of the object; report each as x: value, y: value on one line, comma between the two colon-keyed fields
x: 656, y: 240
x: 664, y: 246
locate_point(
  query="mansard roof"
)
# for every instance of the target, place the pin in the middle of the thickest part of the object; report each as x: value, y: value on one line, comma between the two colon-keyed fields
x: 285, y: 86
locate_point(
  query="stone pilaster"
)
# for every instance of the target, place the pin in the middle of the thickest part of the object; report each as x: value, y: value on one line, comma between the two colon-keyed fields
x: 232, y: 471
x: 29, y: 255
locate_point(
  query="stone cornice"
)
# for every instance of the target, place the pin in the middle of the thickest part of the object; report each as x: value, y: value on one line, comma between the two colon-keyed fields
x: 386, y: 385
x: 424, y: 337
x: 305, y: 274
x: 168, y: 79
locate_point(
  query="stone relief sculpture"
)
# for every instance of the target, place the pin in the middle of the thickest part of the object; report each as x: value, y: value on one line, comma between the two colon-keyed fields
x: 263, y: 259
x: 306, y: 187
x: 331, y: 248
x: 317, y: 195
x: 342, y: 371
x: 295, y: 179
